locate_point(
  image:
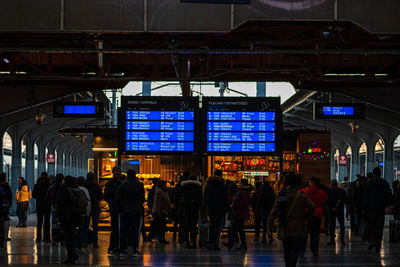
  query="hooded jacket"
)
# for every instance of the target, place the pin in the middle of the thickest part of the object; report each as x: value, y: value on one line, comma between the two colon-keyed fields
x: 161, y: 202
x: 318, y: 197
x: 241, y: 203
x: 23, y: 195
x: 377, y: 195
x: 130, y: 197
x: 43, y: 204
x: 216, y: 196
x: 191, y: 196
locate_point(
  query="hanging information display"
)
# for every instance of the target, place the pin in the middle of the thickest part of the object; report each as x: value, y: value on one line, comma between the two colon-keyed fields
x: 158, y: 125
x: 338, y: 111
x: 242, y: 125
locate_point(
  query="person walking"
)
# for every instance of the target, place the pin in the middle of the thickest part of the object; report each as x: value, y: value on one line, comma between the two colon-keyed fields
x: 52, y: 195
x: 22, y: 196
x: 294, y: 210
x: 241, y: 213
x: 83, y: 234
x: 71, y: 206
x: 7, y: 190
x: 96, y: 195
x: 216, y: 201
x: 318, y: 198
x: 150, y: 203
x: 129, y: 205
x: 110, y: 194
x: 256, y: 208
x: 43, y: 208
x: 267, y: 200
x: 377, y: 197
x: 189, y: 210
x: 337, y: 198
x: 160, y: 210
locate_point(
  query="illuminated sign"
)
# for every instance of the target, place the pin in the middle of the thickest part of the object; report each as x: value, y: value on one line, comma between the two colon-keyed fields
x: 313, y: 152
x: 78, y: 109
x: 338, y: 111
x: 241, y: 126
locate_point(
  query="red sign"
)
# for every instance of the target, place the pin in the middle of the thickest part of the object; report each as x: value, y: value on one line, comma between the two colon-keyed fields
x: 342, y: 160
x: 51, y: 158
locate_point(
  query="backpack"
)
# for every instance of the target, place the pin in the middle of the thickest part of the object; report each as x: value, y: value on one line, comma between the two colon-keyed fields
x: 79, y: 201
x: 4, y: 202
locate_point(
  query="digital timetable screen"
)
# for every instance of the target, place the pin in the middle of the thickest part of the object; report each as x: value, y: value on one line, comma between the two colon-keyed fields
x: 242, y: 125
x: 159, y: 125
x: 338, y: 111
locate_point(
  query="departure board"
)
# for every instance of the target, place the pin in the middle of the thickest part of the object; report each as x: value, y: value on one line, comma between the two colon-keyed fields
x: 338, y: 111
x: 248, y: 126
x: 158, y: 125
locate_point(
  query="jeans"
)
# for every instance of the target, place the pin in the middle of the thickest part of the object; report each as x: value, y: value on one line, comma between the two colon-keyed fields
x: 131, y: 223
x: 264, y: 219
x: 314, y: 226
x: 238, y: 228
x: 83, y: 233
x: 215, y: 229
x: 159, y: 226
x: 22, y: 211
x: 339, y: 215
x: 95, y: 226
x: 376, y: 222
x: 114, y: 237
x: 291, y: 250
x: 257, y: 222
x: 190, y: 226
x: 43, y: 221
x: 70, y: 231
x: 53, y: 218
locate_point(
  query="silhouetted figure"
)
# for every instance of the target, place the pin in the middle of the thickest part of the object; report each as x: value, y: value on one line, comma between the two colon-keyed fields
x: 43, y: 208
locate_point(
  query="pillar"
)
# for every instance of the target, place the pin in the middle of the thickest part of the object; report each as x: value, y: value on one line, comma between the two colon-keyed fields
x: 67, y: 162
x: 261, y: 89
x: 16, y: 160
x: 30, y: 166
x: 370, y: 155
x: 355, y: 163
x: 2, y: 132
x: 60, y: 159
x: 146, y: 89
x: 388, y: 170
x: 333, y: 163
x: 41, y: 157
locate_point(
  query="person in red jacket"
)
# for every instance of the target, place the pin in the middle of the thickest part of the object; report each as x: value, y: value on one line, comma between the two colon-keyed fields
x: 318, y: 197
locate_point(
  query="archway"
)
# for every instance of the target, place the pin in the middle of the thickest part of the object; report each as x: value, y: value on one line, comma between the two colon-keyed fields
x: 379, y: 154
x: 336, y: 157
x: 36, y: 159
x: 396, y: 158
x: 349, y: 165
x: 363, y: 158
x: 7, y: 153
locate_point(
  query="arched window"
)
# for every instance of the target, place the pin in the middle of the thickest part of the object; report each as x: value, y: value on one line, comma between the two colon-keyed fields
x: 36, y: 159
x: 7, y: 153
x: 363, y: 158
x: 349, y: 166
x: 396, y: 158
x: 336, y: 164
x: 379, y: 154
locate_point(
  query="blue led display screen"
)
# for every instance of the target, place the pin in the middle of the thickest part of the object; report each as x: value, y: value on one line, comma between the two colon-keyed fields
x: 160, y: 115
x: 240, y: 116
x: 159, y: 146
x: 338, y: 111
x: 241, y: 126
x: 160, y: 136
x: 84, y: 109
x: 240, y: 147
x: 160, y: 125
x: 240, y: 137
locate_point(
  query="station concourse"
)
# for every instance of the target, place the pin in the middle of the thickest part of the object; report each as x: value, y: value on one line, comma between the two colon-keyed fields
x: 166, y: 86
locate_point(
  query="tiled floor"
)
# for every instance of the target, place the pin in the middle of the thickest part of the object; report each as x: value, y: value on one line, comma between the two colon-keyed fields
x: 22, y: 250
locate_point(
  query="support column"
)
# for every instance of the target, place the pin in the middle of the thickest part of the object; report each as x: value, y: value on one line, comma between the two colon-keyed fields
x: 67, y: 162
x: 146, y: 88
x: 388, y: 170
x: 261, y: 89
x: 333, y: 163
x: 16, y: 160
x: 41, y: 156
x: 30, y: 165
x: 355, y: 163
x: 60, y: 159
x: 370, y: 155
x: 2, y: 132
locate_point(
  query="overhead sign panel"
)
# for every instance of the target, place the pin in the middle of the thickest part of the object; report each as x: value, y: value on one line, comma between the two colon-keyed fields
x: 78, y: 109
x: 159, y: 125
x: 339, y: 111
x: 242, y: 126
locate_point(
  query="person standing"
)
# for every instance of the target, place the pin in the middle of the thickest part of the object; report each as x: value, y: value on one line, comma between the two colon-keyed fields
x: 189, y: 210
x: 267, y: 200
x: 216, y: 201
x: 150, y: 203
x: 129, y: 205
x: 318, y: 197
x: 83, y: 234
x: 43, y: 208
x: 69, y: 214
x: 110, y: 194
x: 96, y: 195
x: 23, y: 196
x: 255, y: 207
x: 377, y: 197
x: 161, y: 210
x: 7, y: 190
x: 294, y: 209
x: 337, y: 198
x: 52, y: 195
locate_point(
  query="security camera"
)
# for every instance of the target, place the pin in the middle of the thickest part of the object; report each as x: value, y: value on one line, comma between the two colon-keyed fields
x: 39, y: 118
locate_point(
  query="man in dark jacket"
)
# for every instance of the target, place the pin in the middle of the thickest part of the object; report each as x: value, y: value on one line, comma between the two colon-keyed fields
x: 377, y: 197
x: 110, y: 194
x: 129, y: 204
x: 96, y: 195
x: 256, y: 208
x: 216, y: 200
x: 337, y: 198
x: 189, y: 210
x: 7, y: 190
x: 43, y: 208
x: 69, y: 220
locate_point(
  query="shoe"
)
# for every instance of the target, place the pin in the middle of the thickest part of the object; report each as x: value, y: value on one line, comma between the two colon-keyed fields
x: 24, y: 225
x: 229, y: 246
x: 371, y: 246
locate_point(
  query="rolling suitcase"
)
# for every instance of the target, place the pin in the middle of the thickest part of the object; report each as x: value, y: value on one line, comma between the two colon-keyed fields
x: 394, y: 231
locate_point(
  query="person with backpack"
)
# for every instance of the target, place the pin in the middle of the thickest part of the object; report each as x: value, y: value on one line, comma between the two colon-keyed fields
x: 43, y: 208
x: 189, y: 210
x: 83, y: 234
x: 336, y: 201
x: 23, y: 196
x: 255, y: 207
x: 71, y: 208
x: 150, y: 203
x: 267, y: 200
x: 293, y: 210
x: 6, y: 205
x: 96, y: 195
x: 110, y: 194
x: 52, y: 196
x: 129, y: 206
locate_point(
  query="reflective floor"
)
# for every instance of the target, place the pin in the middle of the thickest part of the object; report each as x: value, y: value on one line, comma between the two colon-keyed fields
x: 22, y: 250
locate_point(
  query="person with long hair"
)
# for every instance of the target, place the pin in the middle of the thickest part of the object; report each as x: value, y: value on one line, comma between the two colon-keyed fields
x: 22, y: 196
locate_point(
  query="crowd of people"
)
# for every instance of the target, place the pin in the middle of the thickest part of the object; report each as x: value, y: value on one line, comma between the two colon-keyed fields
x: 199, y: 210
